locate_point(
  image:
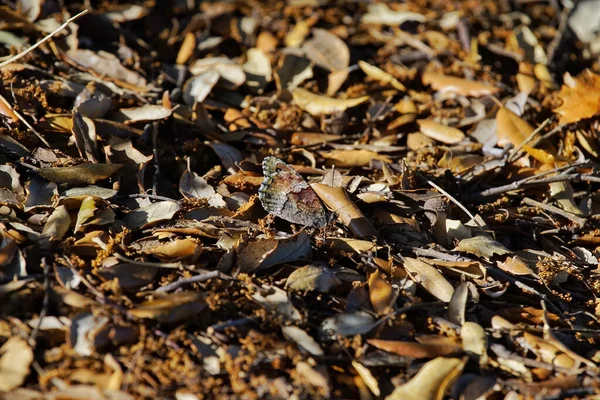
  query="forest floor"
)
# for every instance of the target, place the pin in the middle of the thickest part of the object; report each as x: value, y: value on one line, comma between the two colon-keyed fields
x: 302, y: 199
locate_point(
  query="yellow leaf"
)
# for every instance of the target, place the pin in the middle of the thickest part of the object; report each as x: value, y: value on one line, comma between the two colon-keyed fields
x: 511, y: 128
x: 380, y: 75
x: 441, y: 133
x: 431, y: 381
x: 318, y: 105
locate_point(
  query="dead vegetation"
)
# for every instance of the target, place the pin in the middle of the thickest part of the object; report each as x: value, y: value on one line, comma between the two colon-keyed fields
x: 427, y: 227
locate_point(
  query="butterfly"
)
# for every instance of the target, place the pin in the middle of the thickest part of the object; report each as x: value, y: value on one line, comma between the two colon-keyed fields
x: 285, y: 194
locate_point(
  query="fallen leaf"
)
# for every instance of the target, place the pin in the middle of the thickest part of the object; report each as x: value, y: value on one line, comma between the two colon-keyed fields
x: 510, y: 128
x: 416, y: 350
x: 15, y: 358
x: 380, y: 75
x: 145, y: 113
x: 83, y: 174
x: 277, y: 301
x: 265, y: 253
x: 380, y: 13
x: 302, y: 339
x: 381, y: 293
x: 327, y: 50
x: 432, y: 380
x: 318, y: 105
x: 452, y: 84
x: 312, y: 277
x: 159, y: 211
x: 170, y: 308
x: 482, y: 246
x: 442, y: 133
x: 349, y: 324
x: 430, y: 278
x: 580, y: 97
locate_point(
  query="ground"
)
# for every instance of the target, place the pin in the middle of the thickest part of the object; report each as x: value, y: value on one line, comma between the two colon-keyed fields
x: 299, y: 199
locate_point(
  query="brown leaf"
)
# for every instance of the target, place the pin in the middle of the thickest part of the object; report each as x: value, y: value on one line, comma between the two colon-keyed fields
x: 83, y: 174
x: 580, y: 96
x: 187, y: 48
x: 312, y: 277
x: 381, y: 293
x: 317, y: 105
x: 510, y: 128
x: 327, y: 50
x: 482, y: 246
x: 380, y: 13
x: 431, y: 381
x: 352, y: 158
x: 430, y: 278
x: 452, y: 84
x: 380, y: 75
x: 15, y: 358
x: 337, y: 200
x: 264, y: 253
x: 171, y: 308
x: 417, y: 350
x: 442, y: 133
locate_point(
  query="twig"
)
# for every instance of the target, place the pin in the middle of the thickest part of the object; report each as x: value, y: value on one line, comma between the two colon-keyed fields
x: 455, y: 202
x: 194, y: 279
x: 41, y: 42
x: 23, y: 120
x: 151, y: 197
x: 503, y: 352
x: 523, y: 184
x: 515, y: 152
x: 44, y: 311
x: 121, y: 257
x: 555, y: 210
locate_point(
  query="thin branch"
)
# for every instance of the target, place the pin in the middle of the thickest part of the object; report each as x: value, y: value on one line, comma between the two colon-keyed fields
x: 23, y: 120
x: 456, y: 202
x: 527, y: 183
x: 194, y: 279
x: 41, y: 42
x: 555, y: 210
x: 514, y: 154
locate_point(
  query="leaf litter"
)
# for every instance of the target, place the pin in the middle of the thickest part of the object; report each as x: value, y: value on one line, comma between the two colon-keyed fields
x: 428, y: 227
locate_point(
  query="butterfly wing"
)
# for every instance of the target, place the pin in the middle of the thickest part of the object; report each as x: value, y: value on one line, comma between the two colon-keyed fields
x: 285, y: 194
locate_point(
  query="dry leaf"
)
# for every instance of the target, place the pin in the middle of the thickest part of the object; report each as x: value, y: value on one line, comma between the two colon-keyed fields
x: 381, y: 293
x: 318, y: 105
x: 171, y: 308
x: 312, y: 277
x: 442, y: 133
x: 187, y: 48
x: 159, y: 211
x: 482, y: 246
x: 276, y: 301
x: 83, y: 174
x: 431, y: 381
x: 510, y: 128
x: 474, y: 340
x: 352, y: 158
x: 417, y: 350
x: 265, y: 253
x: 580, y: 97
x: 349, y: 324
x: 15, y: 358
x: 380, y: 75
x: 302, y: 339
x: 145, y: 113
x: 337, y: 200
x: 327, y: 50
x: 380, y: 13
x: 430, y: 278
x: 452, y: 84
